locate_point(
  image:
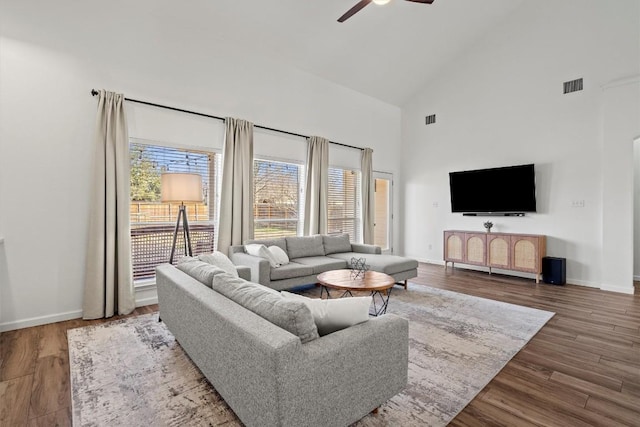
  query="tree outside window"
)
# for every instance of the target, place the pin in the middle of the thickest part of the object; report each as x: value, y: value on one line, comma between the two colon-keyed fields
x: 277, y: 199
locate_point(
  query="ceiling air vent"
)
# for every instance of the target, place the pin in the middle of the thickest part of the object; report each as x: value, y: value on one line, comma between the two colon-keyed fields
x: 573, y: 86
x: 430, y: 119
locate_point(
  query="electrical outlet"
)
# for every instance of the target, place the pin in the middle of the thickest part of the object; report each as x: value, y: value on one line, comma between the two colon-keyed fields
x: 430, y: 246
x: 577, y: 204
x: 435, y: 204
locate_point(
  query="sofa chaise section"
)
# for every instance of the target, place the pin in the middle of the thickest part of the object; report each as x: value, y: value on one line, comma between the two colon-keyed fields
x: 399, y: 268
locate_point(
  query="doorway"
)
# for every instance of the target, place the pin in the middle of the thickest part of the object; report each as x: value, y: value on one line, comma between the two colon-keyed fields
x: 636, y: 209
x: 383, y: 221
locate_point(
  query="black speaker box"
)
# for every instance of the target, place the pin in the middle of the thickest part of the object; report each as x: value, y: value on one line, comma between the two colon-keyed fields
x: 554, y: 270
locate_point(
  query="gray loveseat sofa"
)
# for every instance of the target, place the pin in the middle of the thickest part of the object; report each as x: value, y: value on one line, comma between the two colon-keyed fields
x: 312, y: 255
x: 268, y: 375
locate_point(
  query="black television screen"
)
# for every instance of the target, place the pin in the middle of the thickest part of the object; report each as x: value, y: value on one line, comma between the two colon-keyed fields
x: 500, y: 190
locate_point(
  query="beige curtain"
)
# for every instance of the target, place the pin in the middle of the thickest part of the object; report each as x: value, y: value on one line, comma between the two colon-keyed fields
x: 317, y: 188
x: 236, y: 197
x: 108, y: 285
x: 368, y: 195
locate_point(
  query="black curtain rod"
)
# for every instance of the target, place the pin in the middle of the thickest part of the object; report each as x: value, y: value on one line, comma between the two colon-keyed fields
x: 95, y: 92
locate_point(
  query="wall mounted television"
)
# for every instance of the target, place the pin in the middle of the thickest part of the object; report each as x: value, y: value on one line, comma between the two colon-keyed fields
x: 507, y: 190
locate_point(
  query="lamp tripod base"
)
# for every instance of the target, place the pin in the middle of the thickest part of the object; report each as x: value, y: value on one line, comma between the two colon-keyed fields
x: 182, y: 214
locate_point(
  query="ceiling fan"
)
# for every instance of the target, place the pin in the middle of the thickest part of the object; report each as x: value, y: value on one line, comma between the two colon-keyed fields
x: 362, y: 3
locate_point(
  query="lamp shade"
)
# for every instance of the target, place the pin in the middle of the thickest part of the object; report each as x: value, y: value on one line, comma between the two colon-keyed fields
x: 181, y: 187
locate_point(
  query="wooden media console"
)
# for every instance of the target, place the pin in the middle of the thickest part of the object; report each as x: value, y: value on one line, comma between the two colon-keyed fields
x: 506, y: 251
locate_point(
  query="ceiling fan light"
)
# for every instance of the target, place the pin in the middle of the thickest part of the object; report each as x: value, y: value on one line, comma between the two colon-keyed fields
x: 381, y: 2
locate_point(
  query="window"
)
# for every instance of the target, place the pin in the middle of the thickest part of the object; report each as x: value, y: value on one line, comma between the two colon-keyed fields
x: 276, y: 207
x: 153, y: 222
x: 344, y: 203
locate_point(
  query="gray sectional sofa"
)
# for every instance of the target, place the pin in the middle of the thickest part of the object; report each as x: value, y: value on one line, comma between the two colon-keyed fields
x: 272, y: 373
x: 312, y: 255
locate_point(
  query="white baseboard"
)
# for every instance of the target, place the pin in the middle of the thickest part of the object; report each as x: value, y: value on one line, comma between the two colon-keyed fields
x: 40, y: 320
x: 146, y: 301
x: 636, y: 278
x: 430, y: 261
x: 145, y: 295
x: 625, y: 290
x: 570, y: 281
x: 585, y: 283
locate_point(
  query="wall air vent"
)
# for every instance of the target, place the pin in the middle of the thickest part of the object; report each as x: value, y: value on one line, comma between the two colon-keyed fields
x: 573, y: 86
x: 430, y: 119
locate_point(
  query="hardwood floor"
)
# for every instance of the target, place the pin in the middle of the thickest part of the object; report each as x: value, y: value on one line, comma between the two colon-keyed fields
x: 34, y: 374
x: 582, y: 368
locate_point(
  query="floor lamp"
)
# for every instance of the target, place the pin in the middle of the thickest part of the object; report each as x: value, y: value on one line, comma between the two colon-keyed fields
x: 181, y: 187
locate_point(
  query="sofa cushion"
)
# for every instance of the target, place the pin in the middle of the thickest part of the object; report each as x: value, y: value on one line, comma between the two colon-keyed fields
x: 320, y: 264
x: 220, y: 260
x: 346, y: 256
x: 280, y: 242
x: 303, y: 246
x: 199, y: 270
x: 391, y: 264
x: 261, y: 251
x: 388, y: 264
x: 291, y: 270
x: 293, y: 316
x: 331, y: 315
x: 335, y: 244
x: 279, y: 254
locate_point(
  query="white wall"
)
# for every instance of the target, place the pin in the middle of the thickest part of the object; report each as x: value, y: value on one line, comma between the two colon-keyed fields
x: 53, y: 55
x: 501, y: 104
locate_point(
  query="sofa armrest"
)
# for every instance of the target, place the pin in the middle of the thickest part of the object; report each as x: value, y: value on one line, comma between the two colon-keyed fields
x: 365, y: 249
x: 260, y: 268
x: 244, y: 272
x: 348, y: 373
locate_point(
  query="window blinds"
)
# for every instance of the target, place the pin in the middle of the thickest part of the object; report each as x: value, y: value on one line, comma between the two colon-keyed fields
x: 344, y: 203
x: 277, y: 198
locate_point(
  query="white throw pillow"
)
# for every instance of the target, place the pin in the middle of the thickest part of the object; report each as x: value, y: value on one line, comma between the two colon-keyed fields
x: 279, y: 254
x: 261, y: 251
x: 220, y: 260
x: 332, y: 315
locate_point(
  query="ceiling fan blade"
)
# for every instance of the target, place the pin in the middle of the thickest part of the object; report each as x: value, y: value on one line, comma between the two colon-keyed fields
x: 355, y: 9
x: 422, y: 1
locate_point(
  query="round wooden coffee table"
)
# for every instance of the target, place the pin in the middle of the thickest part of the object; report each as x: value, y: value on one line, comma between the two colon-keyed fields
x: 378, y: 284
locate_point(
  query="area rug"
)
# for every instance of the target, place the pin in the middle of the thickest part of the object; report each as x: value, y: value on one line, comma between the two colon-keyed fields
x: 132, y: 371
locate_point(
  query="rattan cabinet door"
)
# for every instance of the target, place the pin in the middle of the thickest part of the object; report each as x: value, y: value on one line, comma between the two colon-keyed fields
x: 525, y: 253
x: 453, y: 246
x: 498, y: 251
x: 475, y: 248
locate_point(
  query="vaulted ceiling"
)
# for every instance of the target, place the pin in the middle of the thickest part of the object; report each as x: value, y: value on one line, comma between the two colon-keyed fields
x: 387, y: 52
